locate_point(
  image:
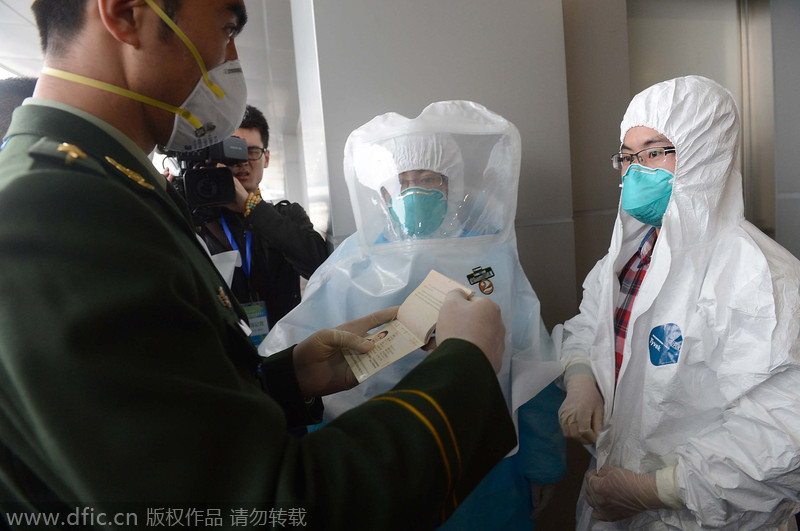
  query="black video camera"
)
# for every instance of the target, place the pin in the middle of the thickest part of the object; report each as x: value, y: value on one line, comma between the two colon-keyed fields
x: 201, y: 182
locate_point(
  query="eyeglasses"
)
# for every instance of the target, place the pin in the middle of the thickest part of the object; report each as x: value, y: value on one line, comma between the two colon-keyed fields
x: 430, y: 181
x: 255, y: 152
x: 653, y: 156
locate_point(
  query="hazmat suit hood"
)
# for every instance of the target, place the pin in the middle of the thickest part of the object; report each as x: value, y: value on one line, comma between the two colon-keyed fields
x: 707, y: 393
x: 700, y: 118
x: 375, y: 268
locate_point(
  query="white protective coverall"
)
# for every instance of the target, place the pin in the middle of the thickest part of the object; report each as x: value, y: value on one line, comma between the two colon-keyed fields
x: 719, y: 422
x: 381, y: 264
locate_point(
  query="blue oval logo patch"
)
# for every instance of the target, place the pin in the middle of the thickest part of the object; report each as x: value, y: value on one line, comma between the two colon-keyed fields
x: 665, y: 344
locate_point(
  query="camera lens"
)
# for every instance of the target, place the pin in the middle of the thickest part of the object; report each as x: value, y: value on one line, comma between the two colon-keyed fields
x: 207, y: 188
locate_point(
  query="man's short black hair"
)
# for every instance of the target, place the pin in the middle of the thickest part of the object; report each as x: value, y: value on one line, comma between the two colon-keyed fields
x: 254, y: 119
x: 60, y: 20
x: 12, y: 91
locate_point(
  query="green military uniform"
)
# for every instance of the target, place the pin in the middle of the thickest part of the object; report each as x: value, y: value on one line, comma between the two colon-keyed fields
x: 126, y: 379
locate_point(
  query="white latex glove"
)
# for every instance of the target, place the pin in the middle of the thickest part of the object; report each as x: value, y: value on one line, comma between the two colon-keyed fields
x: 617, y: 493
x: 540, y: 498
x: 476, y: 320
x: 319, y: 359
x: 581, y: 413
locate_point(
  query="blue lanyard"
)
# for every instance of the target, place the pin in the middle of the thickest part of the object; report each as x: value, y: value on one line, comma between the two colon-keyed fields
x: 248, y: 245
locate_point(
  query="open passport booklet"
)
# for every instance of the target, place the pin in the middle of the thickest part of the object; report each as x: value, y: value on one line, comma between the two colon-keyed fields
x: 410, y: 330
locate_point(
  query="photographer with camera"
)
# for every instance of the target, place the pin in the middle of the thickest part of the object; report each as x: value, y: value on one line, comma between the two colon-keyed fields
x: 277, y: 243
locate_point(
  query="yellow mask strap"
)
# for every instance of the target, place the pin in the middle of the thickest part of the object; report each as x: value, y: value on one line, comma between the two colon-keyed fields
x: 83, y: 80
x: 182, y: 36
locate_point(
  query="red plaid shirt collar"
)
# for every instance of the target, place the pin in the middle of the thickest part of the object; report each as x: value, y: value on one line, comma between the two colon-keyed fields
x: 630, y: 279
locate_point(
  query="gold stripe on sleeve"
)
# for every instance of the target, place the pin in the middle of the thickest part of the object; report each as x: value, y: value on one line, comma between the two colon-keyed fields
x: 436, y: 406
x: 427, y: 423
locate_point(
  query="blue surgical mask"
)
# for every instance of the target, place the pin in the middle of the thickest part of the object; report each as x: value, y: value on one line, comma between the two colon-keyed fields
x: 419, y: 211
x: 646, y: 193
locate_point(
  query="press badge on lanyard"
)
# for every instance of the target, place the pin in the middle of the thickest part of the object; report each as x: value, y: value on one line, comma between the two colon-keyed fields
x: 257, y: 317
x: 256, y: 311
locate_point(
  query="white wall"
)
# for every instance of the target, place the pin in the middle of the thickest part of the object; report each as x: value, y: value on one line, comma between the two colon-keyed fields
x: 682, y: 37
x: 376, y: 56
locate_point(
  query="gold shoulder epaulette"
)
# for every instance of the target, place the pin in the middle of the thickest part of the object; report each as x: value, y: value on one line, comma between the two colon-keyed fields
x: 64, y: 153
x: 73, y: 152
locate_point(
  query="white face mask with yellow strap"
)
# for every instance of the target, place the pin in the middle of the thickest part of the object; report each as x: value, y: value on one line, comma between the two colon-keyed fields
x: 211, y: 113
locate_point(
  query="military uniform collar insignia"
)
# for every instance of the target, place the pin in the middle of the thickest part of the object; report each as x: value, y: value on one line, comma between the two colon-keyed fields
x: 135, y: 177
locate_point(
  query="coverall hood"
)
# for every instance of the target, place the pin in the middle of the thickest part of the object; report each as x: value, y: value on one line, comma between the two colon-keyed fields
x: 701, y: 119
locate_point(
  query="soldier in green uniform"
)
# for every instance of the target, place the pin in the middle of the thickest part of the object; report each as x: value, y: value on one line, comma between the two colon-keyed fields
x: 127, y: 379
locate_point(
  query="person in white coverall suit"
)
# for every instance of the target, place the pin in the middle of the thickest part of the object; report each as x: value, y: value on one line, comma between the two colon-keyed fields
x: 683, y: 365
x: 439, y: 192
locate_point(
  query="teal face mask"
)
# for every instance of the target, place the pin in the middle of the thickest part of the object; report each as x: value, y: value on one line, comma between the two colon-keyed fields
x: 646, y: 193
x: 419, y: 211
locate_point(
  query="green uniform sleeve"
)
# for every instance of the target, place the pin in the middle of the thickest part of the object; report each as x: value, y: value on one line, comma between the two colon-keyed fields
x: 280, y: 381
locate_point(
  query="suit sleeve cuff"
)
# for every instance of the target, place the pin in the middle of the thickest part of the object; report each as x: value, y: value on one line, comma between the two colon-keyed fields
x: 578, y: 366
x: 667, y: 487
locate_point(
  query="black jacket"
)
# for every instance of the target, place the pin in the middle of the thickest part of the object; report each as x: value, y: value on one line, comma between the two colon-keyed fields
x: 284, y: 246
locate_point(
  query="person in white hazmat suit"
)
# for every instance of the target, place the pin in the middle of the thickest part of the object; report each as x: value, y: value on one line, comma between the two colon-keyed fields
x: 697, y: 312
x: 439, y: 192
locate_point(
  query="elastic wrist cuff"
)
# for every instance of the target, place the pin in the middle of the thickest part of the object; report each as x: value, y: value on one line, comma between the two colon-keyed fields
x: 578, y: 366
x: 667, y: 487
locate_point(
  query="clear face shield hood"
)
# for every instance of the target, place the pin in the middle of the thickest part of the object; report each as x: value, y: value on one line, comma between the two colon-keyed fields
x: 441, y: 175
